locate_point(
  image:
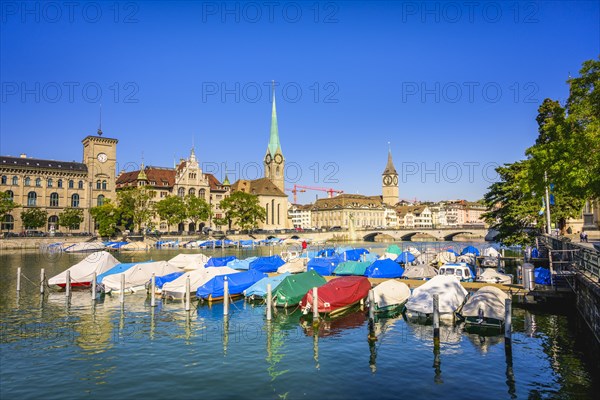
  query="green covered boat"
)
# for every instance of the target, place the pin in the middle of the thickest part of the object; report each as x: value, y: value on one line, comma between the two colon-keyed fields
x: 352, y: 268
x: 291, y: 290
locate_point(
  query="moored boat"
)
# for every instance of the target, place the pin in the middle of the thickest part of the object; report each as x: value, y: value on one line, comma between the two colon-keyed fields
x: 137, y: 276
x: 214, y: 290
x: 337, y: 295
x: 290, y: 291
x: 390, y: 296
x: 82, y: 273
x: 490, y: 275
x: 293, y: 266
x: 451, y: 296
x: 460, y: 270
x: 485, y: 308
x: 84, y: 246
x: 176, y: 288
x: 258, y: 291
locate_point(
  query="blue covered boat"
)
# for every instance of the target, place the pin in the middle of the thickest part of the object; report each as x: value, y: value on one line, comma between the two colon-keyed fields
x: 323, y: 265
x: 161, y: 280
x: 470, y: 249
x: 384, y: 269
x: 326, y: 252
x: 213, y: 290
x: 219, y: 261
x: 405, y: 257
x: 353, y: 254
x: 117, y: 269
x: 267, y: 264
x: 241, y: 264
x: 542, y: 276
x: 259, y: 289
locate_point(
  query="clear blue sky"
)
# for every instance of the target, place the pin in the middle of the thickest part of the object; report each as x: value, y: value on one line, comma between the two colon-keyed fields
x: 352, y: 77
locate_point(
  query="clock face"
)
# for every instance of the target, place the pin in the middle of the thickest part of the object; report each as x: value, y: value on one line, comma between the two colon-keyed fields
x: 102, y: 157
x: 387, y: 180
x: 268, y: 159
x: 395, y: 180
x: 278, y: 158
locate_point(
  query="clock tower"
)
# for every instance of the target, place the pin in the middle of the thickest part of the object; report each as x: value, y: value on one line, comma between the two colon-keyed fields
x: 100, y: 156
x: 274, y: 161
x: 390, y: 182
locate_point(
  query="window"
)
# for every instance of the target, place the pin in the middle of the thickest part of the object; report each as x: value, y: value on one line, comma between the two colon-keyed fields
x: 54, y: 199
x: 10, y: 194
x: 75, y: 200
x: 98, y: 184
x: 27, y: 181
x: 71, y: 184
x: 50, y: 183
x: 4, y: 180
x: 192, y: 192
x: 80, y: 185
x: 8, y: 223
x: 202, y: 194
x: 181, y: 192
x: 59, y: 183
x: 52, y: 222
x: 31, y: 199
x: 103, y: 185
x: 38, y: 182
x: 100, y: 200
x: 15, y: 180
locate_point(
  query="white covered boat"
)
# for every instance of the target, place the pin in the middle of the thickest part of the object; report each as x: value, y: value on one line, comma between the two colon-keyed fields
x: 189, y: 262
x: 419, y: 271
x: 390, y: 296
x: 451, y: 298
x: 82, y: 273
x: 490, y: 275
x: 294, y: 266
x: 137, y: 276
x: 176, y: 288
x: 84, y: 246
x: 486, y: 307
x: 445, y: 257
x: 135, y: 246
x: 490, y: 252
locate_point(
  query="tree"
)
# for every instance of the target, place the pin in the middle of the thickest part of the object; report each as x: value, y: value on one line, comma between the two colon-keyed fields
x: 171, y: 209
x: 197, y: 209
x: 106, y: 217
x: 244, y: 209
x: 70, y: 218
x: 135, y: 206
x: 34, y: 218
x: 6, y: 206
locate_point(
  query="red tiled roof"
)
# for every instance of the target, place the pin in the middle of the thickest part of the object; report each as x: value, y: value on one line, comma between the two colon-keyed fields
x: 158, y: 175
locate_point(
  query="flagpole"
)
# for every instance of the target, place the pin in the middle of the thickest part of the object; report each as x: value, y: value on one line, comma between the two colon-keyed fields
x: 547, y: 204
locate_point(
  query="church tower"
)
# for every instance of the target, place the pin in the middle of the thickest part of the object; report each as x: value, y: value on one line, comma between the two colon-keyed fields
x: 390, y: 182
x: 274, y: 161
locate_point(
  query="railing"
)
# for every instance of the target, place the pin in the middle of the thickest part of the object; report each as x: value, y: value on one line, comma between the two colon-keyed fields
x: 583, y: 258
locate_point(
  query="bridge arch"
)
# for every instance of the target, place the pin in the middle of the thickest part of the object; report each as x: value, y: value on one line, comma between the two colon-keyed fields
x: 370, y: 237
x: 409, y: 236
x: 450, y: 237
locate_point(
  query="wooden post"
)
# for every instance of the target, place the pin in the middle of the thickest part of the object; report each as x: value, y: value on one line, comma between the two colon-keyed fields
x: 315, y: 304
x: 68, y: 284
x: 270, y: 251
x: 122, y: 296
x: 214, y: 244
x: 153, y: 291
x: 94, y: 277
x: 372, y: 335
x: 269, y: 302
x: 551, y: 267
x: 436, y: 317
x: 187, y: 293
x: 225, y: 296
x: 508, y: 321
x: 18, y: 279
x: 42, y: 281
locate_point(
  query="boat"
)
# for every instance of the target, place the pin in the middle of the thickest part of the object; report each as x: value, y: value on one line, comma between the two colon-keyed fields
x: 485, y: 308
x: 351, y: 268
x: 82, y: 273
x: 241, y: 264
x: 214, y: 289
x: 294, y: 266
x: 353, y: 254
x: 117, y: 269
x: 405, y: 257
x: 337, y: 295
x: 114, y: 245
x: 267, y: 264
x: 160, y: 281
x: 488, y: 262
x: 176, y: 288
x: 188, y: 262
x: 385, y: 268
x: 137, y: 276
x: 258, y: 291
x: 422, y: 271
x: 290, y: 291
x: 84, y: 246
x: 443, y: 257
x: 451, y: 298
x: 490, y: 275
x: 323, y: 265
x: 470, y: 250
x: 135, y: 246
x: 390, y: 296
x: 490, y: 252
x: 219, y: 261
x: 461, y: 271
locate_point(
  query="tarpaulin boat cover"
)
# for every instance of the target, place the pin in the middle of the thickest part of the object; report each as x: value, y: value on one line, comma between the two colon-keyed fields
x: 219, y: 261
x: 337, y: 293
x: 394, y: 249
x: 293, y: 266
x: 490, y: 299
x: 421, y: 271
x: 323, y: 265
x: 259, y: 289
x: 391, y: 293
x: 490, y: 252
x: 198, y: 277
x: 405, y: 257
x: 370, y: 258
x: 241, y: 264
x: 117, y: 269
x: 446, y: 256
x: 238, y: 282
x: 384, y: 269
x: 451, y: 295
x: 542, y: 276
x: 291, y: 290
x: 161, y: 280
x: 413, y: 250
x: 267, y: 264
x: 84, y: 246
x: 353, y: 254
x: 82, y: 272
x: 138, y: 275
x: 467, y: 258
x: 326, y: 252
x: 470, y: 250
x: 490, y: 275
x: 535, y: 253
x: 351, y: 268
x: 189, y: 261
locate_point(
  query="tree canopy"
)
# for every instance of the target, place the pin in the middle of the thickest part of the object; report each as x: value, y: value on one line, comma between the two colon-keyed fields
x: 34, y: 218
x: 171, y: 209
x: 70, y: 218
x: 244, y: 209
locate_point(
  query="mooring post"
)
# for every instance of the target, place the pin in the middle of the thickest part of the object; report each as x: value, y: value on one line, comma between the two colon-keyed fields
x: 42, y: 280
x: 214, y: 243
x: 315, y: 295
x: 153, y: 291
x: 225, y: 296
x: 269, y: 302
x: 18, y: 279
x: 436, y: 317
x: 94, y: 286
x: 372, y: 335
x: 187, y: 293
x: 270, y: 251
x: 122, y: 296
x: 508, y: 321
x: 68, y: 284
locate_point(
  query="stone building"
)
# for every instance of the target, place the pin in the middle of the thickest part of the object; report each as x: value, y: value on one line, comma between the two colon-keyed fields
x: 365, y: 211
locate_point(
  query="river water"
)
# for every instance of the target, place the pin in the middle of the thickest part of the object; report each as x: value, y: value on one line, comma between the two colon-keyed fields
x: 53, y: 349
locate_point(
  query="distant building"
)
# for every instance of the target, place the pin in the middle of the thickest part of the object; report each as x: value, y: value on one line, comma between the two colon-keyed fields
x: 300, y: 215
x: 389, y: 182
x: 414, y: 217
x: 365, y: 211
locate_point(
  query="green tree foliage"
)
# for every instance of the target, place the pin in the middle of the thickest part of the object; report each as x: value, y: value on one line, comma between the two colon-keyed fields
x: 197, y: 209
x: 34, y: 218
x: 136, y: 207
x: 70, y: 218
x: 171, y: 209
x: 107, y: 217
x: 244, y: 209
x: 6, y: 204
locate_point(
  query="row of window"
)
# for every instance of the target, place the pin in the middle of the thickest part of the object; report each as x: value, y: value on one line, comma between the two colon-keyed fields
x: 32, y: 199
x: 8, y: 223
x: 49, y: 182
x: 192, y: 192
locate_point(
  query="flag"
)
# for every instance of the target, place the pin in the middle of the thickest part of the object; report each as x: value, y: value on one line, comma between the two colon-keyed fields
x: 543, y: 207
x: 551, y: 199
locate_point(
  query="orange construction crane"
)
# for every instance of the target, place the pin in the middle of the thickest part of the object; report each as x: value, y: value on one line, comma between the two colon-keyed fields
x: 302, y: 189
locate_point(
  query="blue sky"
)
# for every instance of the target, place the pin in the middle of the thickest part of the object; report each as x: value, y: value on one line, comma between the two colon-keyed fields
x: 453, y: 87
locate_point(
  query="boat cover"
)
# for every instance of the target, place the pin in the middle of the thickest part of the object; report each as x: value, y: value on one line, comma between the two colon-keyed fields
x: 470, y: 250
x: 84, y: 246
x: 353, y: 254
x: 490, y: 252
x: 83, y: 272
x: 404, y: 257
x: 198, y: 277
x: 490, y: 299
x: 391, y: 293
x: 219, y: 261
x: 291, y: 290
x: 467, y: 258
x: 161, y: 280
x: 421, y: 271
x: 115, y: 245
x: 451, y: 295
x: 490, y: 275
x: 535, y: 253
x: 117, y: 269
x: 447, y: 256
x: 326, y: 252
x: 138, y: 275
x: 413, y: 250
x: 337, y: 293
x: 238, y: 282
x: 259, y: 289
x: 323, y: 265
x: 241, y: 264
x: 293, y: 266
x: 267, y: 264
x: 384, y: 269
x: 189, y: 261
x: 394, y: 249
x: 542, y: 276
x: 370, y: 258
x: 134, y: 246
x: 351, y: 268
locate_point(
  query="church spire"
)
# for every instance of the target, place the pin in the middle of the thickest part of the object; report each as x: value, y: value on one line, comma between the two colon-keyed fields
x: 142, y: 174
x: 274, y: 144
x: 389, y: 168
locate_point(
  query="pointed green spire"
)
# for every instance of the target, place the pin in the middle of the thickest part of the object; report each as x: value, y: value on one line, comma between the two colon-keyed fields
x: 226, y: 181
x: 274, y: 144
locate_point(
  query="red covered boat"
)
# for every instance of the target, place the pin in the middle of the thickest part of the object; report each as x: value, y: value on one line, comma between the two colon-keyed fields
x: 337, y: 295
